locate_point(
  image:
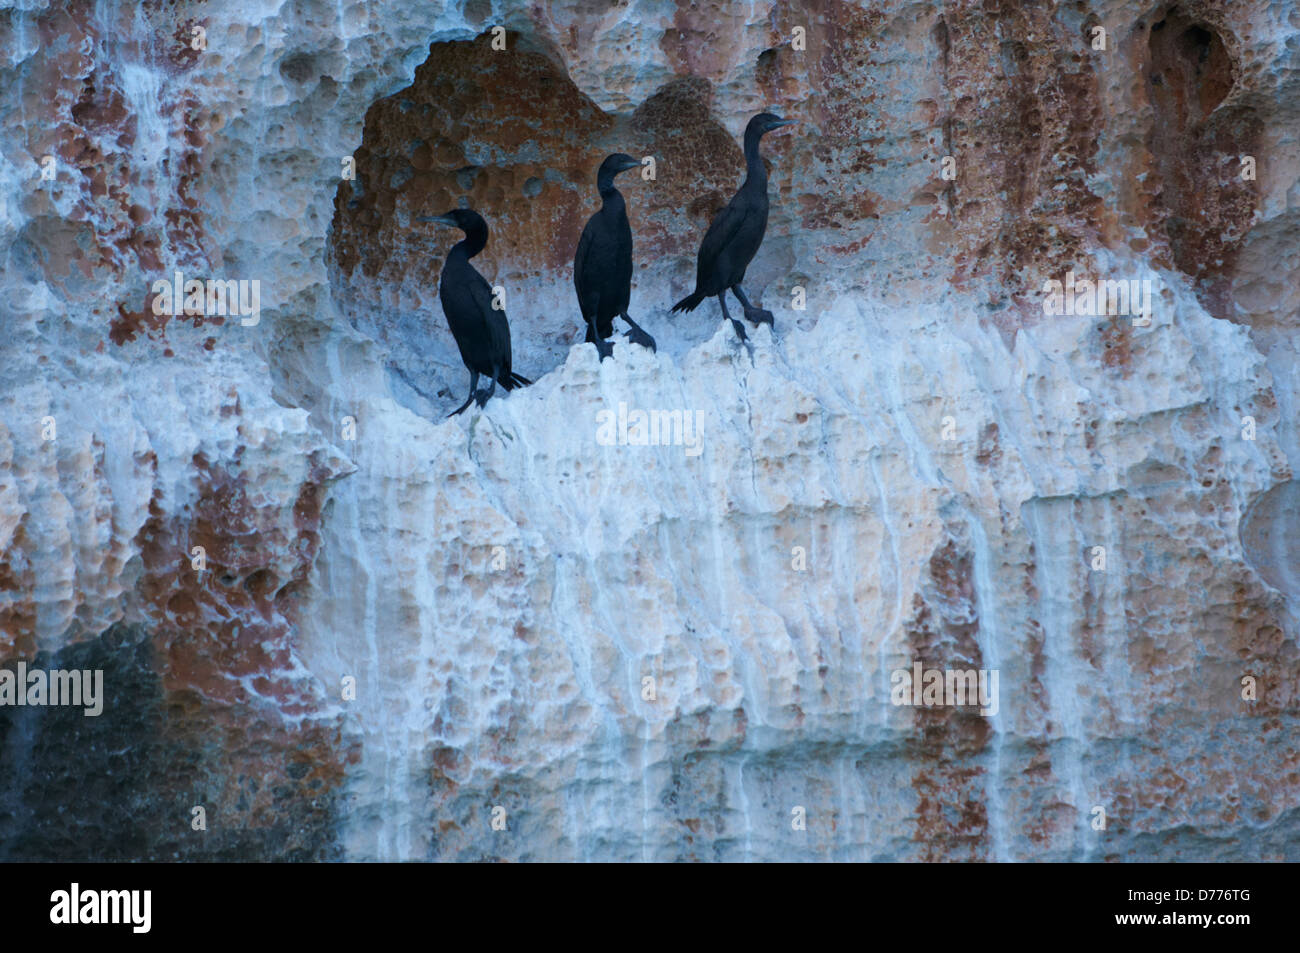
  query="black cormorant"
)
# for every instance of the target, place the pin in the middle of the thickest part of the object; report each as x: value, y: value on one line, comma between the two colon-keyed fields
x: 602, y: 267
x: 482, y: 332
x: 735, y: 234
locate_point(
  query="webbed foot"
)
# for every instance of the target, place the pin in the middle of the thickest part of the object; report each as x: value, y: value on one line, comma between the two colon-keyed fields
x: 638, y: 336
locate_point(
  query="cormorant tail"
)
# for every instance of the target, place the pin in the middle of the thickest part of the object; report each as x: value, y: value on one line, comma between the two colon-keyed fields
x: 689, y: 303
x: 515, y: 380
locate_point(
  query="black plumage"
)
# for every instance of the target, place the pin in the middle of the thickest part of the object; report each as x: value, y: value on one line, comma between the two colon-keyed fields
x: 735, y: 235
x: 602, y: 266
x: 482, y: 332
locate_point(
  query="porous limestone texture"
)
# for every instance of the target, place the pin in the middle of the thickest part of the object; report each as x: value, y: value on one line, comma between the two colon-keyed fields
x: 351, y: 628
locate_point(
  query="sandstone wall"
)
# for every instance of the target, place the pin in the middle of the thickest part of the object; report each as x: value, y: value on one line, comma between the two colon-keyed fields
x: 917, y: 466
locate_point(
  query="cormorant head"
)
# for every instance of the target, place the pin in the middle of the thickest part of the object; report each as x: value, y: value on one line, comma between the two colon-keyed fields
x: 611, y: 167
x: 766, y: 122
x: 618, y: 162
x: 467, y: 220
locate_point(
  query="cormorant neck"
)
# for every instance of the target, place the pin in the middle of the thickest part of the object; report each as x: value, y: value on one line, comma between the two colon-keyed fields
x: 475, y: 240
x: 608, y: 194
x: 753, y: 161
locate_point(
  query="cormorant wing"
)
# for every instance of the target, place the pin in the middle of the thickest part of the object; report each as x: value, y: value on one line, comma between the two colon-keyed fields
x: 494, y: 322
x: 722, y: 231
x: 580, y: 258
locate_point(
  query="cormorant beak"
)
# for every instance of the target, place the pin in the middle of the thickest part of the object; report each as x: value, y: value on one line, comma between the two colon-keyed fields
x: 782, y: 122
x: 632, y: 164
x: 439, y: 220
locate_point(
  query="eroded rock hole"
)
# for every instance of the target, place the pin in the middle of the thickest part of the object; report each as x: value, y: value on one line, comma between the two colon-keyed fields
x: 512, y: 136
x: 506, y: 134
x: 1270, y: 541
x: 1197, y: 143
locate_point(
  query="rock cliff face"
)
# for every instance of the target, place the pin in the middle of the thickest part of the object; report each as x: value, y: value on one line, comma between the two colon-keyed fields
x: 349, y: 628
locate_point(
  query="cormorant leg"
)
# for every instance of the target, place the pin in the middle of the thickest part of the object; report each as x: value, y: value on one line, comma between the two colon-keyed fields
x: 603, y: 348
x: 638, y: 335
x: 740, y: 328
x: 484, y: 396
x: 473, y: 386
x: 752, y: 314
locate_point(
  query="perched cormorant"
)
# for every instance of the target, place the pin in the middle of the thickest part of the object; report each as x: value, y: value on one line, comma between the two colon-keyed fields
x: 602, y: 267
x: 735, y: 234
x: 482, y: 333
